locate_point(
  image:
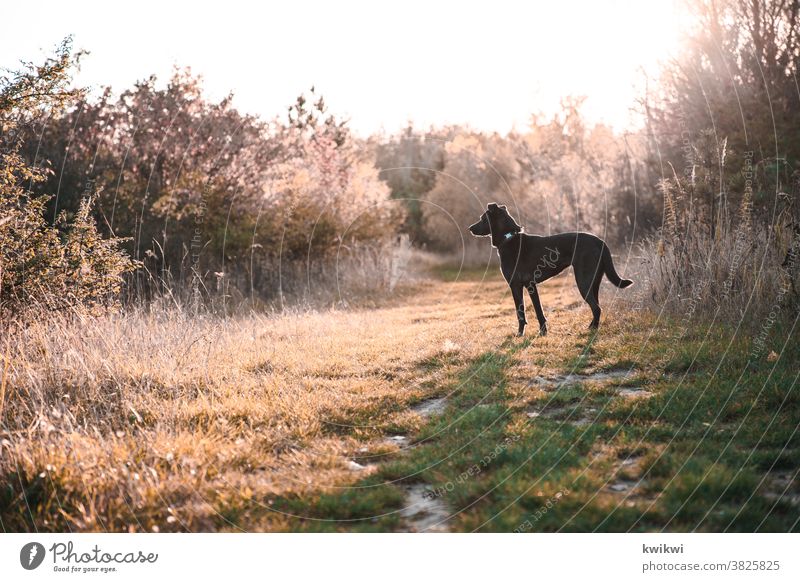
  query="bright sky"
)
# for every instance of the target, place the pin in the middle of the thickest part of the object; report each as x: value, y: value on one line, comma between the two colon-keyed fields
x: 489, y: 65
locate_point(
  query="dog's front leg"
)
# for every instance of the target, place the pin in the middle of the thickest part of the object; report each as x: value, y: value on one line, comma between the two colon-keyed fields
x: 519, y: 305
x: 537, y: 306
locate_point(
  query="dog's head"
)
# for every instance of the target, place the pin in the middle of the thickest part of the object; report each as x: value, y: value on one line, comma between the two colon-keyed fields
x: 497, y: 222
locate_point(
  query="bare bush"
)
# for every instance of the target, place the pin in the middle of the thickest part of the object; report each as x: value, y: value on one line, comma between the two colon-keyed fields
x: 737, y: 271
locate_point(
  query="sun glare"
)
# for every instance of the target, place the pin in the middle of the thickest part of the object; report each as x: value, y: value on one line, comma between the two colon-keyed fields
x: 606, y: 54
x: 446, y: 63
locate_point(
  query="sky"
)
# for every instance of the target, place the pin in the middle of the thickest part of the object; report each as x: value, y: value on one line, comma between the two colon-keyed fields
x: 489, y: 65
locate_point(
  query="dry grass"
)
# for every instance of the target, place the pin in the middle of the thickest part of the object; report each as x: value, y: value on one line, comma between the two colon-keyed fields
x: 735, y: 277
x: 352, y: 276
x: 737, y: 272
x: 166, y: 420
x: 162, y: 419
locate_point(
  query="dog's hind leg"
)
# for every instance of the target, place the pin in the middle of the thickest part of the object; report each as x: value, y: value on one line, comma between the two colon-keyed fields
x: 588, y: 279
x: 519, y: 305
x: 595, y: 307
x: 595, y: 296
x: 537, y: 306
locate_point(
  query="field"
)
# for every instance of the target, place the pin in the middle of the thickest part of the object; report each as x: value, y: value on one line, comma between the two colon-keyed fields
x: 419, y: 412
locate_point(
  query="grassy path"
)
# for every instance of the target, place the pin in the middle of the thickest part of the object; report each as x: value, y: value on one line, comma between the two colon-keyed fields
x: 425, y: 413
x: 641, y: 427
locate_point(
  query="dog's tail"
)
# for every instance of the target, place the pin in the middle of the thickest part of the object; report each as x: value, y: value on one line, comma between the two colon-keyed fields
x: 611, y: 272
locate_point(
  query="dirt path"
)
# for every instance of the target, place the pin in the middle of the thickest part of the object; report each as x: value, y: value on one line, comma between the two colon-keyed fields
x: 467, y: 320
x: 573, y: 432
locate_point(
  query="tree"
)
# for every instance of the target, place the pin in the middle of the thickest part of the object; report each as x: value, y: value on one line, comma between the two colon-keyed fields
x: 730, y: 101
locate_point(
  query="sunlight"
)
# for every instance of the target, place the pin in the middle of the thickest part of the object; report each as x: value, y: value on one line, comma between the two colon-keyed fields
x: 605, y: 54
x: 453, y: 63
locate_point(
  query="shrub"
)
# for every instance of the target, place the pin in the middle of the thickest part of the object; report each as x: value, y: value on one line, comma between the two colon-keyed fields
x: 732, y: 268
x: 47, y: 265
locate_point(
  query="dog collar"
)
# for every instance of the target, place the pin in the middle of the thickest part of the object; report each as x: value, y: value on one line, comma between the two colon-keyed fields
x: 507, y: 237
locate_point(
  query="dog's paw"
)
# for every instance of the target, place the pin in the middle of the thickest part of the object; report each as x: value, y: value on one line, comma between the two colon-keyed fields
x: 543, y: 330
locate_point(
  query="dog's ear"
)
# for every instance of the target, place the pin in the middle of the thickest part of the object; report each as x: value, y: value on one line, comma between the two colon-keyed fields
x: 492, y: 206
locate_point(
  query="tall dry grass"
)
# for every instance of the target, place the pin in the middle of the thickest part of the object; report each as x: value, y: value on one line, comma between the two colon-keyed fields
x: 165, y: 417
x: 355, y: 275
x: 737, y: 272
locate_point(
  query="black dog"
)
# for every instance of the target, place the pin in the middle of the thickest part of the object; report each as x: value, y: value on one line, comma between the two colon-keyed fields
x: 526, y: 260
